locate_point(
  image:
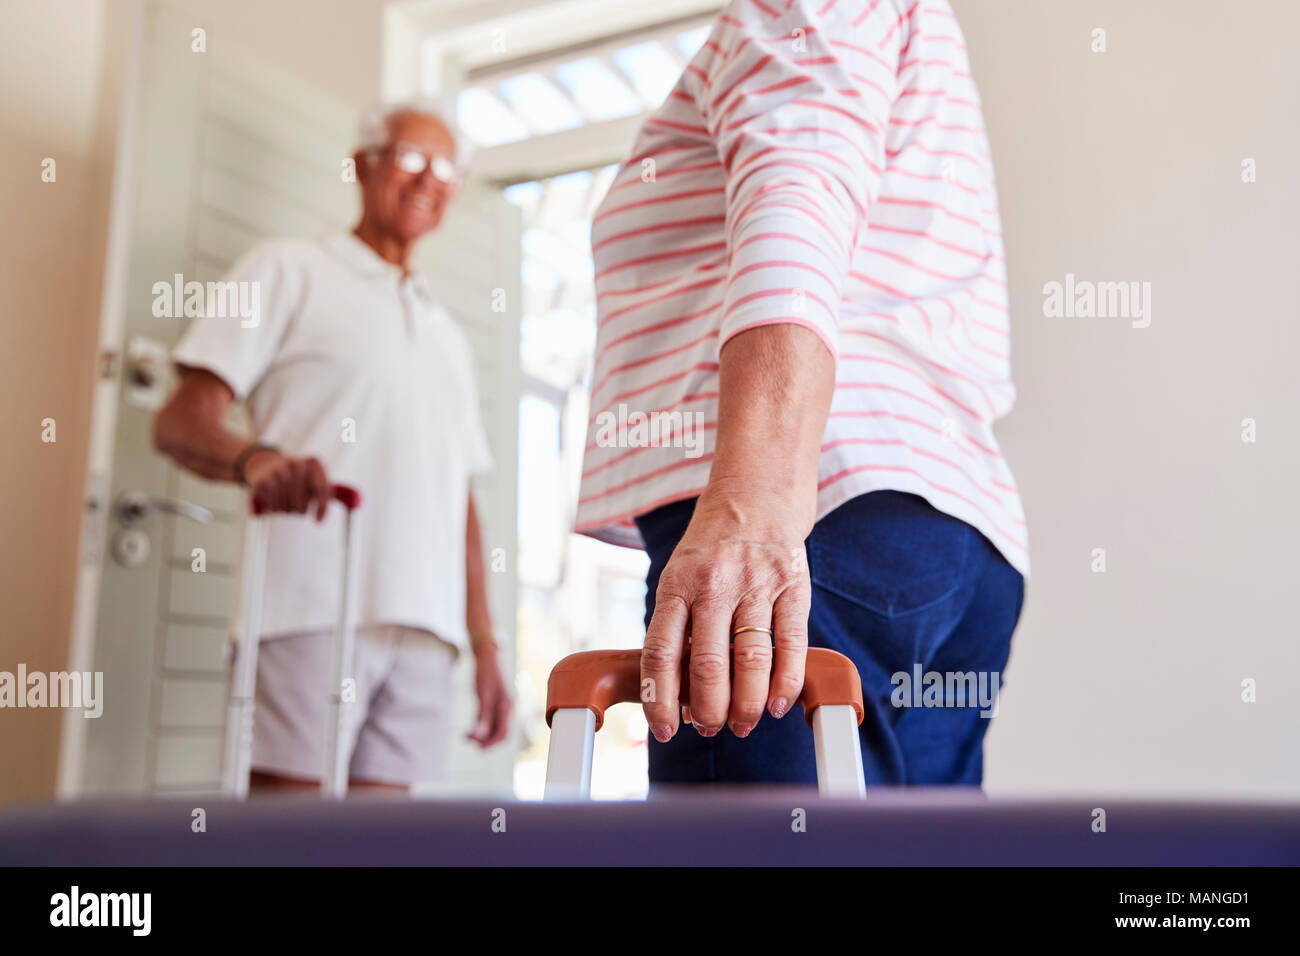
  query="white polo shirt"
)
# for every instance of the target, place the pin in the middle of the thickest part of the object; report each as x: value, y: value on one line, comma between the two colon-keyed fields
x: 355, y: 365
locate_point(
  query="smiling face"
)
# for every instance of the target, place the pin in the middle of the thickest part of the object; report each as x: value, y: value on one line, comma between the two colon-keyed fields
x: 403, y: 204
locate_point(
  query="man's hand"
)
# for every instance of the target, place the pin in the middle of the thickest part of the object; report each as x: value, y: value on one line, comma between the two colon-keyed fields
x: 493, y: 699
x: 280, y: 483
x: 190, y: 429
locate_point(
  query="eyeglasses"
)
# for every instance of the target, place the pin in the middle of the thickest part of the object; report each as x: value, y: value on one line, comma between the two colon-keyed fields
x: 413, y: 160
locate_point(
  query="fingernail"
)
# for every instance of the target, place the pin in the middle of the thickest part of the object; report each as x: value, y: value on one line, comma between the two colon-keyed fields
x: 780, y: 707
x: 706, y: 731
x: 742, y: 730
x: 663, y: 733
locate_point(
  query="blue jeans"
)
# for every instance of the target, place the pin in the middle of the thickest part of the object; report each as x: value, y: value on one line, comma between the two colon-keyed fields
x: 900, y: 588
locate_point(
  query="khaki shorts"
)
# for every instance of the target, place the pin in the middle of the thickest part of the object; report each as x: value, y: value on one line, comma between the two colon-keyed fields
x: 397, y: 728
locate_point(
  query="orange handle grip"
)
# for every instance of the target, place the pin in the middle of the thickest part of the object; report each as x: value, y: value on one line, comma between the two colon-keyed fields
x: 599, y: 679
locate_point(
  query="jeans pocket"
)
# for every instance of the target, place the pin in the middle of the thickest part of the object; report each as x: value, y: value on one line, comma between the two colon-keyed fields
x: 893, y: 555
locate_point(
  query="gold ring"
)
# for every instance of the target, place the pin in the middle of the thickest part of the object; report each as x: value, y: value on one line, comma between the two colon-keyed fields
x: 752, y: 627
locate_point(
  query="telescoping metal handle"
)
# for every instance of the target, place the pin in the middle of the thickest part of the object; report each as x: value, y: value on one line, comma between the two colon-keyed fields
x: 239, y: 716
x: 345, y: 495
x: 583, y: 685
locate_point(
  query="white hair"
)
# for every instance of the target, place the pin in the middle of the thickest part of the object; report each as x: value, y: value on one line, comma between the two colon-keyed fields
x: 373, y: 130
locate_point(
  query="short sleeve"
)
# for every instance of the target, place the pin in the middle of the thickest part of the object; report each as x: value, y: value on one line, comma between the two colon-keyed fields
x: 243, y: 318
x: 797, y: 95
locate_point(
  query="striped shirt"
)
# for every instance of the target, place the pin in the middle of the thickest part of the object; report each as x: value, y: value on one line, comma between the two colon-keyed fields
x: 824, y: 163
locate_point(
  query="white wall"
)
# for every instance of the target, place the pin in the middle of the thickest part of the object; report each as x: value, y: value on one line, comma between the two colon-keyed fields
x: 1126, y: 165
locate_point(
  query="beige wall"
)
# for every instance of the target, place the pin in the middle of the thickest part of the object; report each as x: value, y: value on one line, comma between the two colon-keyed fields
x: 57, y: 71
x: 334, y: 45
x: 61, y: 66
x: 1126, y: 165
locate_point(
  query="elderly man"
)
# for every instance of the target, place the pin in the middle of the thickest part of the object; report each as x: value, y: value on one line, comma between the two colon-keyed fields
x: 353, y: 373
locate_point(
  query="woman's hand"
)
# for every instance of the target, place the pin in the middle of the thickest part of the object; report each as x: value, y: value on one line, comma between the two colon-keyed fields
x: 739, y: 564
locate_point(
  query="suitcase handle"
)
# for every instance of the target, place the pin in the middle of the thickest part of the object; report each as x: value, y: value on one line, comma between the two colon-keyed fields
x: 239, y: 713
x: 345, y: 495
x: 595, y: 680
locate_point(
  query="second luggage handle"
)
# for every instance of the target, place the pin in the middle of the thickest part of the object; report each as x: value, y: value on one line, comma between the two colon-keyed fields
x: 345, y: 495
x: 596, y: 680
x: 238, y: 744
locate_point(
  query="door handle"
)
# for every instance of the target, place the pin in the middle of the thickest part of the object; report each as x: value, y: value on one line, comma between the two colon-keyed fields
x: 134, y: 506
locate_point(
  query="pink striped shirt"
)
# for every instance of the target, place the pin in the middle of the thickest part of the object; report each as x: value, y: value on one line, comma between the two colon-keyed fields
x: 820, y: 162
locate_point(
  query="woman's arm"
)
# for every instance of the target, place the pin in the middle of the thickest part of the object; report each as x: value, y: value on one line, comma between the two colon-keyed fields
x: 741, y: 561
x: 798, y: 99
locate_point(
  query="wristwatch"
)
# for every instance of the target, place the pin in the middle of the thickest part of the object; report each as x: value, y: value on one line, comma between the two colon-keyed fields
x: 244, y: 455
